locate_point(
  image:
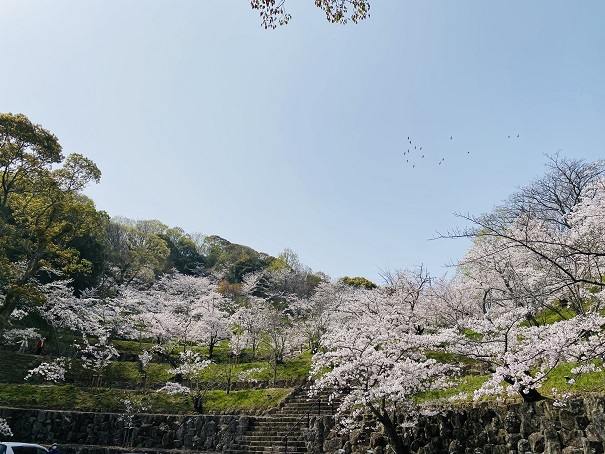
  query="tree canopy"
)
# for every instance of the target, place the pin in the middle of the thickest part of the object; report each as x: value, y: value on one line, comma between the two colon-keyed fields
x: 42, y: 213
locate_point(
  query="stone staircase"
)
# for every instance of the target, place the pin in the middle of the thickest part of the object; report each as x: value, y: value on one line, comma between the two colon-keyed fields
x: 282, y: 429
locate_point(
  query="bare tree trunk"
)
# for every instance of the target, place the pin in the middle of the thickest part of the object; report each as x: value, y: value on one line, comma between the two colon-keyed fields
x: 390, y: 428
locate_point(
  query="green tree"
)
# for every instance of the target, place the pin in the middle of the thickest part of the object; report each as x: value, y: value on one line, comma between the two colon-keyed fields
x: 133, y: 252
x: 234, y: 260
x: 42, y: 213
x: 358, y: 282
x: 185, y: 255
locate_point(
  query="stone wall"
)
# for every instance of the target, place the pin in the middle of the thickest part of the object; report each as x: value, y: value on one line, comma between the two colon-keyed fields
x: 146, y: 432
x: 578, y: 427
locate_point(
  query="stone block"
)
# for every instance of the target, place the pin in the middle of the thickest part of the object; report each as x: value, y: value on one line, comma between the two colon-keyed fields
x: 168, y: 438
x: 529, y: 425
x: 552, y: 444
x: 512, y: 423
x: 491, y: 436
x: 512, y: 440
x: 523, y: 445
x: 571, y: 437
x: 581, y: 422
x: 592, y: 447
x: 347, y: 448
x: 567, y: 419
x: 454, y: 447
x: 572, y: 450
x: 356, y: 436
x: 596, y: 429
x: 445, y: 429
x: 500, y: 449
x: 501, y: 437
x: 431, y: 431
x: 333, y: 445
x: 429, y: 449
x: 417, y: 444
x: 536, y: 442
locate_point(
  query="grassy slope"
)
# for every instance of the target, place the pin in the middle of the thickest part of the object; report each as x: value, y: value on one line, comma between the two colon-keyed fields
x: 70, y: 397
x: 124, y: 374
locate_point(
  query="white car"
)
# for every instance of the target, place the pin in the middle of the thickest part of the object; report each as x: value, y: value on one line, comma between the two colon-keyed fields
x: 13, y: 447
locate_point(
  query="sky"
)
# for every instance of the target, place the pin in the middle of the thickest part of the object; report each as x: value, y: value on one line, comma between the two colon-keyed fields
x: 298, y: 137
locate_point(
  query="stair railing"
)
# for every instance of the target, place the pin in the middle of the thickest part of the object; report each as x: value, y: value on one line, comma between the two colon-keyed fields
x: 308, y: 416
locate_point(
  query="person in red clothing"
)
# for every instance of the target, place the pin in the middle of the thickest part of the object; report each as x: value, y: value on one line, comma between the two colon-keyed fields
x: 40, y: 345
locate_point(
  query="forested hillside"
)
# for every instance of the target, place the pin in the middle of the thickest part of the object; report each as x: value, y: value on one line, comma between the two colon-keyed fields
x: 523, y: 308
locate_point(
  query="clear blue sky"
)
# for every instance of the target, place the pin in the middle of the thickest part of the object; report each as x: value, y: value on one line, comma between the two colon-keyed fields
x: 295, y: 138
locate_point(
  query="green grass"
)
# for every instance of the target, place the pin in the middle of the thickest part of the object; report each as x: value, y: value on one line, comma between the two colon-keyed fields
x: 158, y: 372
x: 584, y: 383
x: 550, y: 316
x: 588, y: 383
x: 244, y: 401
x: 465, y: 385
x: 69, y: 397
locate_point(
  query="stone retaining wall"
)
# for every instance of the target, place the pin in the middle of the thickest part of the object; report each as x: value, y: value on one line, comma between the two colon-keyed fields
x: 578, y: 427
x: 147, y: 432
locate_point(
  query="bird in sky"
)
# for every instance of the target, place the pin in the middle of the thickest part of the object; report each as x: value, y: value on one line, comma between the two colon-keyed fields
x: 451, y: 137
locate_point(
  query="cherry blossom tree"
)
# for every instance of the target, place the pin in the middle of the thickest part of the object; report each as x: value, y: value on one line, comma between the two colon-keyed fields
x: 312, y: 316
x: 189, y: 370
x: 513, y: 280
x: 5, y: 428
x: 213, y: 327
x: 21, y: 337
x: 278, y: 340
x: 540, y: 253
x: 50, y: 371
x: 97, y: 357
x: 144, y: 360
x: 375, y: 355
x: 546, y: 241
x: 251, y: 320
x: 522, y: 355
x: 180, y: 309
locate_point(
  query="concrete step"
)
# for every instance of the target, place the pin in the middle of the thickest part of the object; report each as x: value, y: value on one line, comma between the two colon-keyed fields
x: 266, y: 434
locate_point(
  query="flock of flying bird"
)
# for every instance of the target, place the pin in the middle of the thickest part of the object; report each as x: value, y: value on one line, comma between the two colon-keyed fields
x: 418, y: 154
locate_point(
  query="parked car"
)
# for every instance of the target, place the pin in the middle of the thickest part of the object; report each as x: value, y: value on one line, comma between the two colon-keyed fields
x: 14, y: 447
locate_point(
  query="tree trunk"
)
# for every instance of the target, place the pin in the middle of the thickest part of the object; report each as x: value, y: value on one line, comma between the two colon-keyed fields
x: 198, y: 404
x: 528, y: 394
x: 10, y: 302
x: 211, y: 347
x: 391, y: 429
